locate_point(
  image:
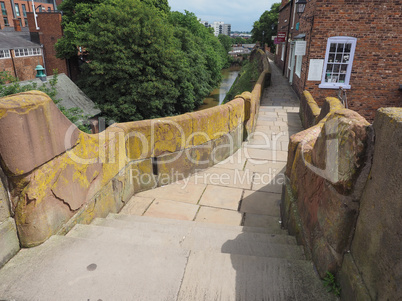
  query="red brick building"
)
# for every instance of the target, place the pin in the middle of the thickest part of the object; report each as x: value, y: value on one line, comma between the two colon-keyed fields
x: 47, y: 32
x: 18, y: 55
x: 353, y: 44
x: 14, y: 13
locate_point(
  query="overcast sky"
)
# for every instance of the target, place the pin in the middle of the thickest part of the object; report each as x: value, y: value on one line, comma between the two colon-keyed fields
x: 241, y: 14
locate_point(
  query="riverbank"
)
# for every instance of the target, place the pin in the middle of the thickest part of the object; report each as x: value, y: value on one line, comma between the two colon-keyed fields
x: 245, y: 81
x: 218, y: 95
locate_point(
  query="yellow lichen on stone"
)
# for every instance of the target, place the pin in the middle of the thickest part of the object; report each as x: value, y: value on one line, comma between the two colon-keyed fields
x: 315, y: 109
x: 22, y: 103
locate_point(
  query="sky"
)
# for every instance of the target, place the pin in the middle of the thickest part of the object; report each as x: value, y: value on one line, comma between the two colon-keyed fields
x: 241, y: 14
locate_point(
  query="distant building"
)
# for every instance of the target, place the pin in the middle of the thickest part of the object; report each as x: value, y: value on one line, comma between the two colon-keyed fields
x: 205, y: 23
x: 221, y: 28
x: 227, y: 28
x: 18, y: 55
x: 14, y: 13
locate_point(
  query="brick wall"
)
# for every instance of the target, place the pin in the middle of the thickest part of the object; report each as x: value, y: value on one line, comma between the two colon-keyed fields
x: 283, y: 23
x: 9, y: 15
x: 376, y: 74
x: 50, y: 31
x: 21, y: 67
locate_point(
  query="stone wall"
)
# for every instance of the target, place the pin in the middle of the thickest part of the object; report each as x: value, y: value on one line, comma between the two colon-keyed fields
x: 59, y: 176
x: 9, y: 244
x: 375, y: 254
x: 342, y: 198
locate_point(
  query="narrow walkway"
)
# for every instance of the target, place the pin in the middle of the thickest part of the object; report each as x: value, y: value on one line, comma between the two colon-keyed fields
x: 214, y: 236
x: 246, y: 188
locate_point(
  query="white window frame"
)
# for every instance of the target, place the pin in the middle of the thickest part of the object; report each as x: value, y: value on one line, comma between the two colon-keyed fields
x: 336, y: 85
x: 32, y: 51
x: 5, y: 54
x: 299, y: 60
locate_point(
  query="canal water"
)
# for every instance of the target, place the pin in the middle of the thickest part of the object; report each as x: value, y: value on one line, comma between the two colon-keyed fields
x: 218, y: 95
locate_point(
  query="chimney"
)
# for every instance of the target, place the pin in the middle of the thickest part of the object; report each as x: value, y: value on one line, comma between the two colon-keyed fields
x: 17, y: 25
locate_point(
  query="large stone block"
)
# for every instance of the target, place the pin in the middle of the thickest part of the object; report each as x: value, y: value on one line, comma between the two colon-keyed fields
x: 340, y: 149
x: 138, y: 139
x: 210, y: 124
x: 5, y: 210
x: 32, y: 124
x: 309, y: 110
x: 236, y: 113
x: 9, y: 244
x: 376, y: 246
x: 323, y: 164
x: 352, y: 284
x: 331, y: 105
x: 172, y: 134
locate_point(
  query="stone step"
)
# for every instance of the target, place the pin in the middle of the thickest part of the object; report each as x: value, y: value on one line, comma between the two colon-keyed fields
x: 198, y: 239
x: 184, y: 228
x: 66, y: 268
x: 273, y: 222
x: 214, y: 276
x: 9, y: 243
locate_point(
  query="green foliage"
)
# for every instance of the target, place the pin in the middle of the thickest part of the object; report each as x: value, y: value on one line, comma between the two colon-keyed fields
x: 13, y: 87
x: 142, y: 61
x: 226, y: 42
x: 245, y: 81
x: 331, y: 284
x: 262, y: 29
x: 240, y: 40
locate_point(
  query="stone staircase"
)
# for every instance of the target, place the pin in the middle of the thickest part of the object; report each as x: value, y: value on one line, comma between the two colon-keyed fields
x: 127, y: 257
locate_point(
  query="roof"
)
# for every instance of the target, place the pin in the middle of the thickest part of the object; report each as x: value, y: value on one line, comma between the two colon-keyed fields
x: 15, y: 39
x: 249, y: 45
x: 71, y: 96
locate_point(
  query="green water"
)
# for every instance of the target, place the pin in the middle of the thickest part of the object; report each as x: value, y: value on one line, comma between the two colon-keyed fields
x: 218, y: 95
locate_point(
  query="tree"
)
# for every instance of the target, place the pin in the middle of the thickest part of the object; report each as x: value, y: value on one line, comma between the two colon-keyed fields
x: 226, y: 41
x: 142, y: 61
x: 262, y: 29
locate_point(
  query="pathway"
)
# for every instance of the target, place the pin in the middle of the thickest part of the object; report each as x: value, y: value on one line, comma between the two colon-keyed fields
x: 213, y: 236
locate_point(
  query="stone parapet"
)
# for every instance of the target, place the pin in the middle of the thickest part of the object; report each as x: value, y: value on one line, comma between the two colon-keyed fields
x: 59, y: 176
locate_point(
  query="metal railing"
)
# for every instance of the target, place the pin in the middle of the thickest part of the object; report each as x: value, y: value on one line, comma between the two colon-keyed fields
x: 342, y: 96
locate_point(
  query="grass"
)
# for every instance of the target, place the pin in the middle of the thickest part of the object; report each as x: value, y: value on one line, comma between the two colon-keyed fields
x: 245, y: 81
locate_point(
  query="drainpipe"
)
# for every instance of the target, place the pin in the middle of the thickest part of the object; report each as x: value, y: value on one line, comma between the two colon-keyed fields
x: 13, y: 9
x: 287, y: 38
x: 12, y: 52
x: 35, y: 15
x: 54, y: 5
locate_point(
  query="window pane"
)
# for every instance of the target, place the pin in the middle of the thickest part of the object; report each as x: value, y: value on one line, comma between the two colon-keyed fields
x: 333, y: 47
x: 17, y: 10
x: 340, y: 48
x: 3, y: 9
x: 6, y: 21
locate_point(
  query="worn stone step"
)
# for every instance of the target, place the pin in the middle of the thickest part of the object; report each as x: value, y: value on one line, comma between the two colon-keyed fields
x: 214, y: 276
x: 186, y: 228
x: 274, y: 222
x: 66, y: 268
x: 9, y: 243
x: 244, y: 243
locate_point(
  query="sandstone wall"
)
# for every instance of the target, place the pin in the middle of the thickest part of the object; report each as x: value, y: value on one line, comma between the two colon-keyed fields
x: 9, y: 244
x: 342, y: 198
x: 376, y: 248
x: 59, y: 176
x: 320, y: 203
